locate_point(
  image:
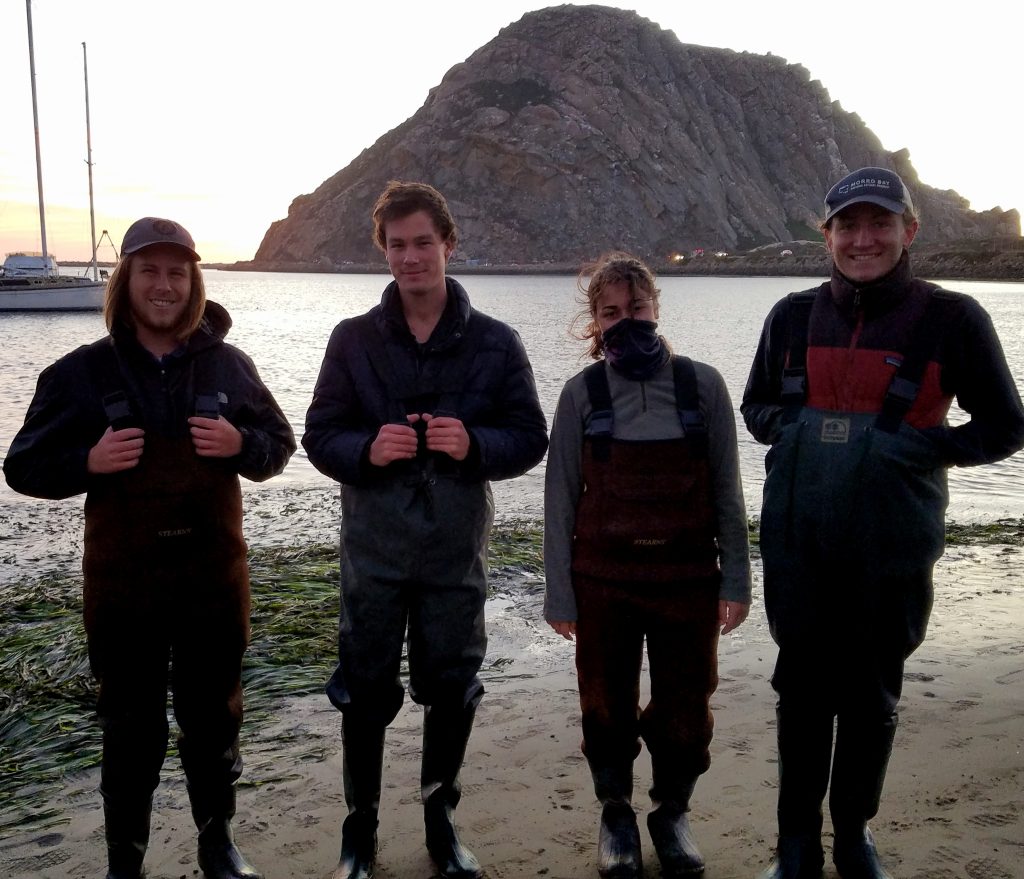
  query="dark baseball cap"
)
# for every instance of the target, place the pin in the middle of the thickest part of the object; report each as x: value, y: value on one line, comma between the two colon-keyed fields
x: 155, y: 230
x: 878, y: 186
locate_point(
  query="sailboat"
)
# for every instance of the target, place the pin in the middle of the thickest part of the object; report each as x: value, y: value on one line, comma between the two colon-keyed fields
x: 31, y: 281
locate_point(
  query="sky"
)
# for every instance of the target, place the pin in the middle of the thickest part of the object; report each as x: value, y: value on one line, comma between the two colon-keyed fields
x: 218, y: 113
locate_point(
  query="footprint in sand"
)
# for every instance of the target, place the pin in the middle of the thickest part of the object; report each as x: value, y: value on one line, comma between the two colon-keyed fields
x: 994, y: 819
x: 581, y: 841
x: 292, y: 849
x: 987, y: 868
x: 33, y: 866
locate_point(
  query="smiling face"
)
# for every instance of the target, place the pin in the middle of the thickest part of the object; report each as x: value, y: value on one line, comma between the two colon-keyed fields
x: 159, y: 290
x: 866, y: 241
x: 417, y: 255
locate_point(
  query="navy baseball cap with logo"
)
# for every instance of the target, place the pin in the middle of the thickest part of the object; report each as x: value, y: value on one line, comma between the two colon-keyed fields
x: 878, y: 186
x: 155, y: 230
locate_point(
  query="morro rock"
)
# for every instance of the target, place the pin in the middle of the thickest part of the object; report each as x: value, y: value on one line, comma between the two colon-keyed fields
x: 583, y: 128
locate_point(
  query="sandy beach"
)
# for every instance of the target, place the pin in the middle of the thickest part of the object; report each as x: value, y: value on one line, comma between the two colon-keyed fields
x: 953, y: 805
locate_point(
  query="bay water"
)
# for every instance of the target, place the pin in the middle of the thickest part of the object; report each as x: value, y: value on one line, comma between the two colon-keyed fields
x: 283, y: 321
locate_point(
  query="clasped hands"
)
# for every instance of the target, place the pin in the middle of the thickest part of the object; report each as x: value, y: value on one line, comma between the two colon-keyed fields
x: 396, y: 442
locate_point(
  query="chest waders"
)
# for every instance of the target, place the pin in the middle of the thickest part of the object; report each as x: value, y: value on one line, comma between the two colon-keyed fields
x: 853, y: 502
x: 166, y: 579
x: 413, y: 559
x: 646, y: 513
x: 852, y: 523
x: 645, y: 567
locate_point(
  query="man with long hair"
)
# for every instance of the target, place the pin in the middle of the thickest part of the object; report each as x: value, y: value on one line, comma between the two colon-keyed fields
x: 154, y: 423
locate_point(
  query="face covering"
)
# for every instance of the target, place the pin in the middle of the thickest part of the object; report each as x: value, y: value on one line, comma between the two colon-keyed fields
x: 634, y: 348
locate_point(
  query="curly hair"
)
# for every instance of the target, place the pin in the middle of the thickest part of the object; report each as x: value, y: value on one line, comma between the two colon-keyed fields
x: 610, y: 268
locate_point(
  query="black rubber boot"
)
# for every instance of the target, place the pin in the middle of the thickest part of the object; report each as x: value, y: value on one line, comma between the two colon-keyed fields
x: 858, y: 774
x: 669, y: 823
x: 855, y: 856
x: 618, y: 839
x: 805, y: 756
x: 446, y: 732
x: 796, y: 858
x: 126, y: 826
x: 363, y: 764
x: 219, y: 857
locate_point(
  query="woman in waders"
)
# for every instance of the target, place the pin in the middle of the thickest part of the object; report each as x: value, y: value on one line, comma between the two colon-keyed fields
x: 645, y: 537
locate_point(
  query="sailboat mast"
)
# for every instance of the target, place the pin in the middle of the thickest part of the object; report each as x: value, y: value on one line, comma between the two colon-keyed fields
x: 88, y: 161
x: 35, y: 122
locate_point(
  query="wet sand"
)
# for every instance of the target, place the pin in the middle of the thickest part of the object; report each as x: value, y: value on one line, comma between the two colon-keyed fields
x: 953, y: 805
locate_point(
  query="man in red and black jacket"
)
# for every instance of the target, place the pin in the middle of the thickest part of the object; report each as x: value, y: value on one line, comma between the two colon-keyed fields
x: 850, y: 387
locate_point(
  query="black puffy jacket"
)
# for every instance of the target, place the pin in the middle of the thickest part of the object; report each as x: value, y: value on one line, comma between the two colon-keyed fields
x: 473, y: 366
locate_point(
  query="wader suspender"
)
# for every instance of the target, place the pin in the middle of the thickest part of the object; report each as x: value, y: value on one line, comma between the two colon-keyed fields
x: 906, y: 382
x: 794, y: 374
x: 106, y: 368
x: 110, y: 375
x: 602, y: 418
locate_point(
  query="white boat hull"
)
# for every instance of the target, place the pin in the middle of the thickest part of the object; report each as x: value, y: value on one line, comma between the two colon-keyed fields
x: 51, y: 294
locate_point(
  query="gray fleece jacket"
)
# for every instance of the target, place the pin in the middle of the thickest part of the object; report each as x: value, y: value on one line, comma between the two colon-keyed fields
x: 644, y: 410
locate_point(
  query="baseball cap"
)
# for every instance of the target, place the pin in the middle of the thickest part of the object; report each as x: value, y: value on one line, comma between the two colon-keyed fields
x: 155, y: 230
x: 878, y: 186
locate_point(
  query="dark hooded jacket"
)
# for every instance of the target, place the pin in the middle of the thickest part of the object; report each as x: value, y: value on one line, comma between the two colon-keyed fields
x: 67, y: 415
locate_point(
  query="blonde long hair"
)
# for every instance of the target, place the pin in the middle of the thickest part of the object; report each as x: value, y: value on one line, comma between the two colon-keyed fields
x: 118, y: 310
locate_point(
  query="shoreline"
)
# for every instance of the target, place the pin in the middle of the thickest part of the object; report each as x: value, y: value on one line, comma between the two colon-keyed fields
x: 952, y: 804
x: 985, y: 260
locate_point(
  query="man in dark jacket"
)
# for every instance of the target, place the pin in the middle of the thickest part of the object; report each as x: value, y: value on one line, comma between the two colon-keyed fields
x: 154, y: 423
x: 851, y: 386
x: 419, y: 404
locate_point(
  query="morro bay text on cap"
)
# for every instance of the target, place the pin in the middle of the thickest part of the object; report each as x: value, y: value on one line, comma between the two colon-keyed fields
x: 878, y: 186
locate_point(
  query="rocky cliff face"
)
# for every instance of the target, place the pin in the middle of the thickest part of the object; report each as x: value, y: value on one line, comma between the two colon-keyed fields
x: 579, y: 129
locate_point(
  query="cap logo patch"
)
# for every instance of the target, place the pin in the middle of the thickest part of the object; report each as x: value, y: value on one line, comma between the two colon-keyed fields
x: 165, y: 227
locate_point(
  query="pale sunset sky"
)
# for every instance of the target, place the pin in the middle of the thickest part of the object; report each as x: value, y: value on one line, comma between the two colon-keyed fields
x: 217, y: 113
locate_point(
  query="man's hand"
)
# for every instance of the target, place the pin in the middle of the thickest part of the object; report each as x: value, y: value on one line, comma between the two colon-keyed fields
x: 116, y: 450
x: 447, y: 435
x: 731, y: 614
x: 564, y: 628
x: 394, y: 442
x: 215, y: 437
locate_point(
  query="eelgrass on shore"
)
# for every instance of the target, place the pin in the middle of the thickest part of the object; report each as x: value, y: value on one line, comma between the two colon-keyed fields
x: 48, y: 725
x: 47, y: 695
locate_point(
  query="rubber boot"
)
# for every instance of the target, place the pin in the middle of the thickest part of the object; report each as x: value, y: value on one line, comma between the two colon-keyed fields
x: 362, y: 767
x: 219, y: 857
x: 446, y: 732
x: 669, y: 825
x: 618, y: 839
x: 855, y: 856
x: 126, y: 826
x: 805, y: 755
x: 858, y: 775
x: 796, y: 858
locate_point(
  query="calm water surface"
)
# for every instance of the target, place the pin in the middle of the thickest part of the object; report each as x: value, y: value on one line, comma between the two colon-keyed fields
x: 283, y: 322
